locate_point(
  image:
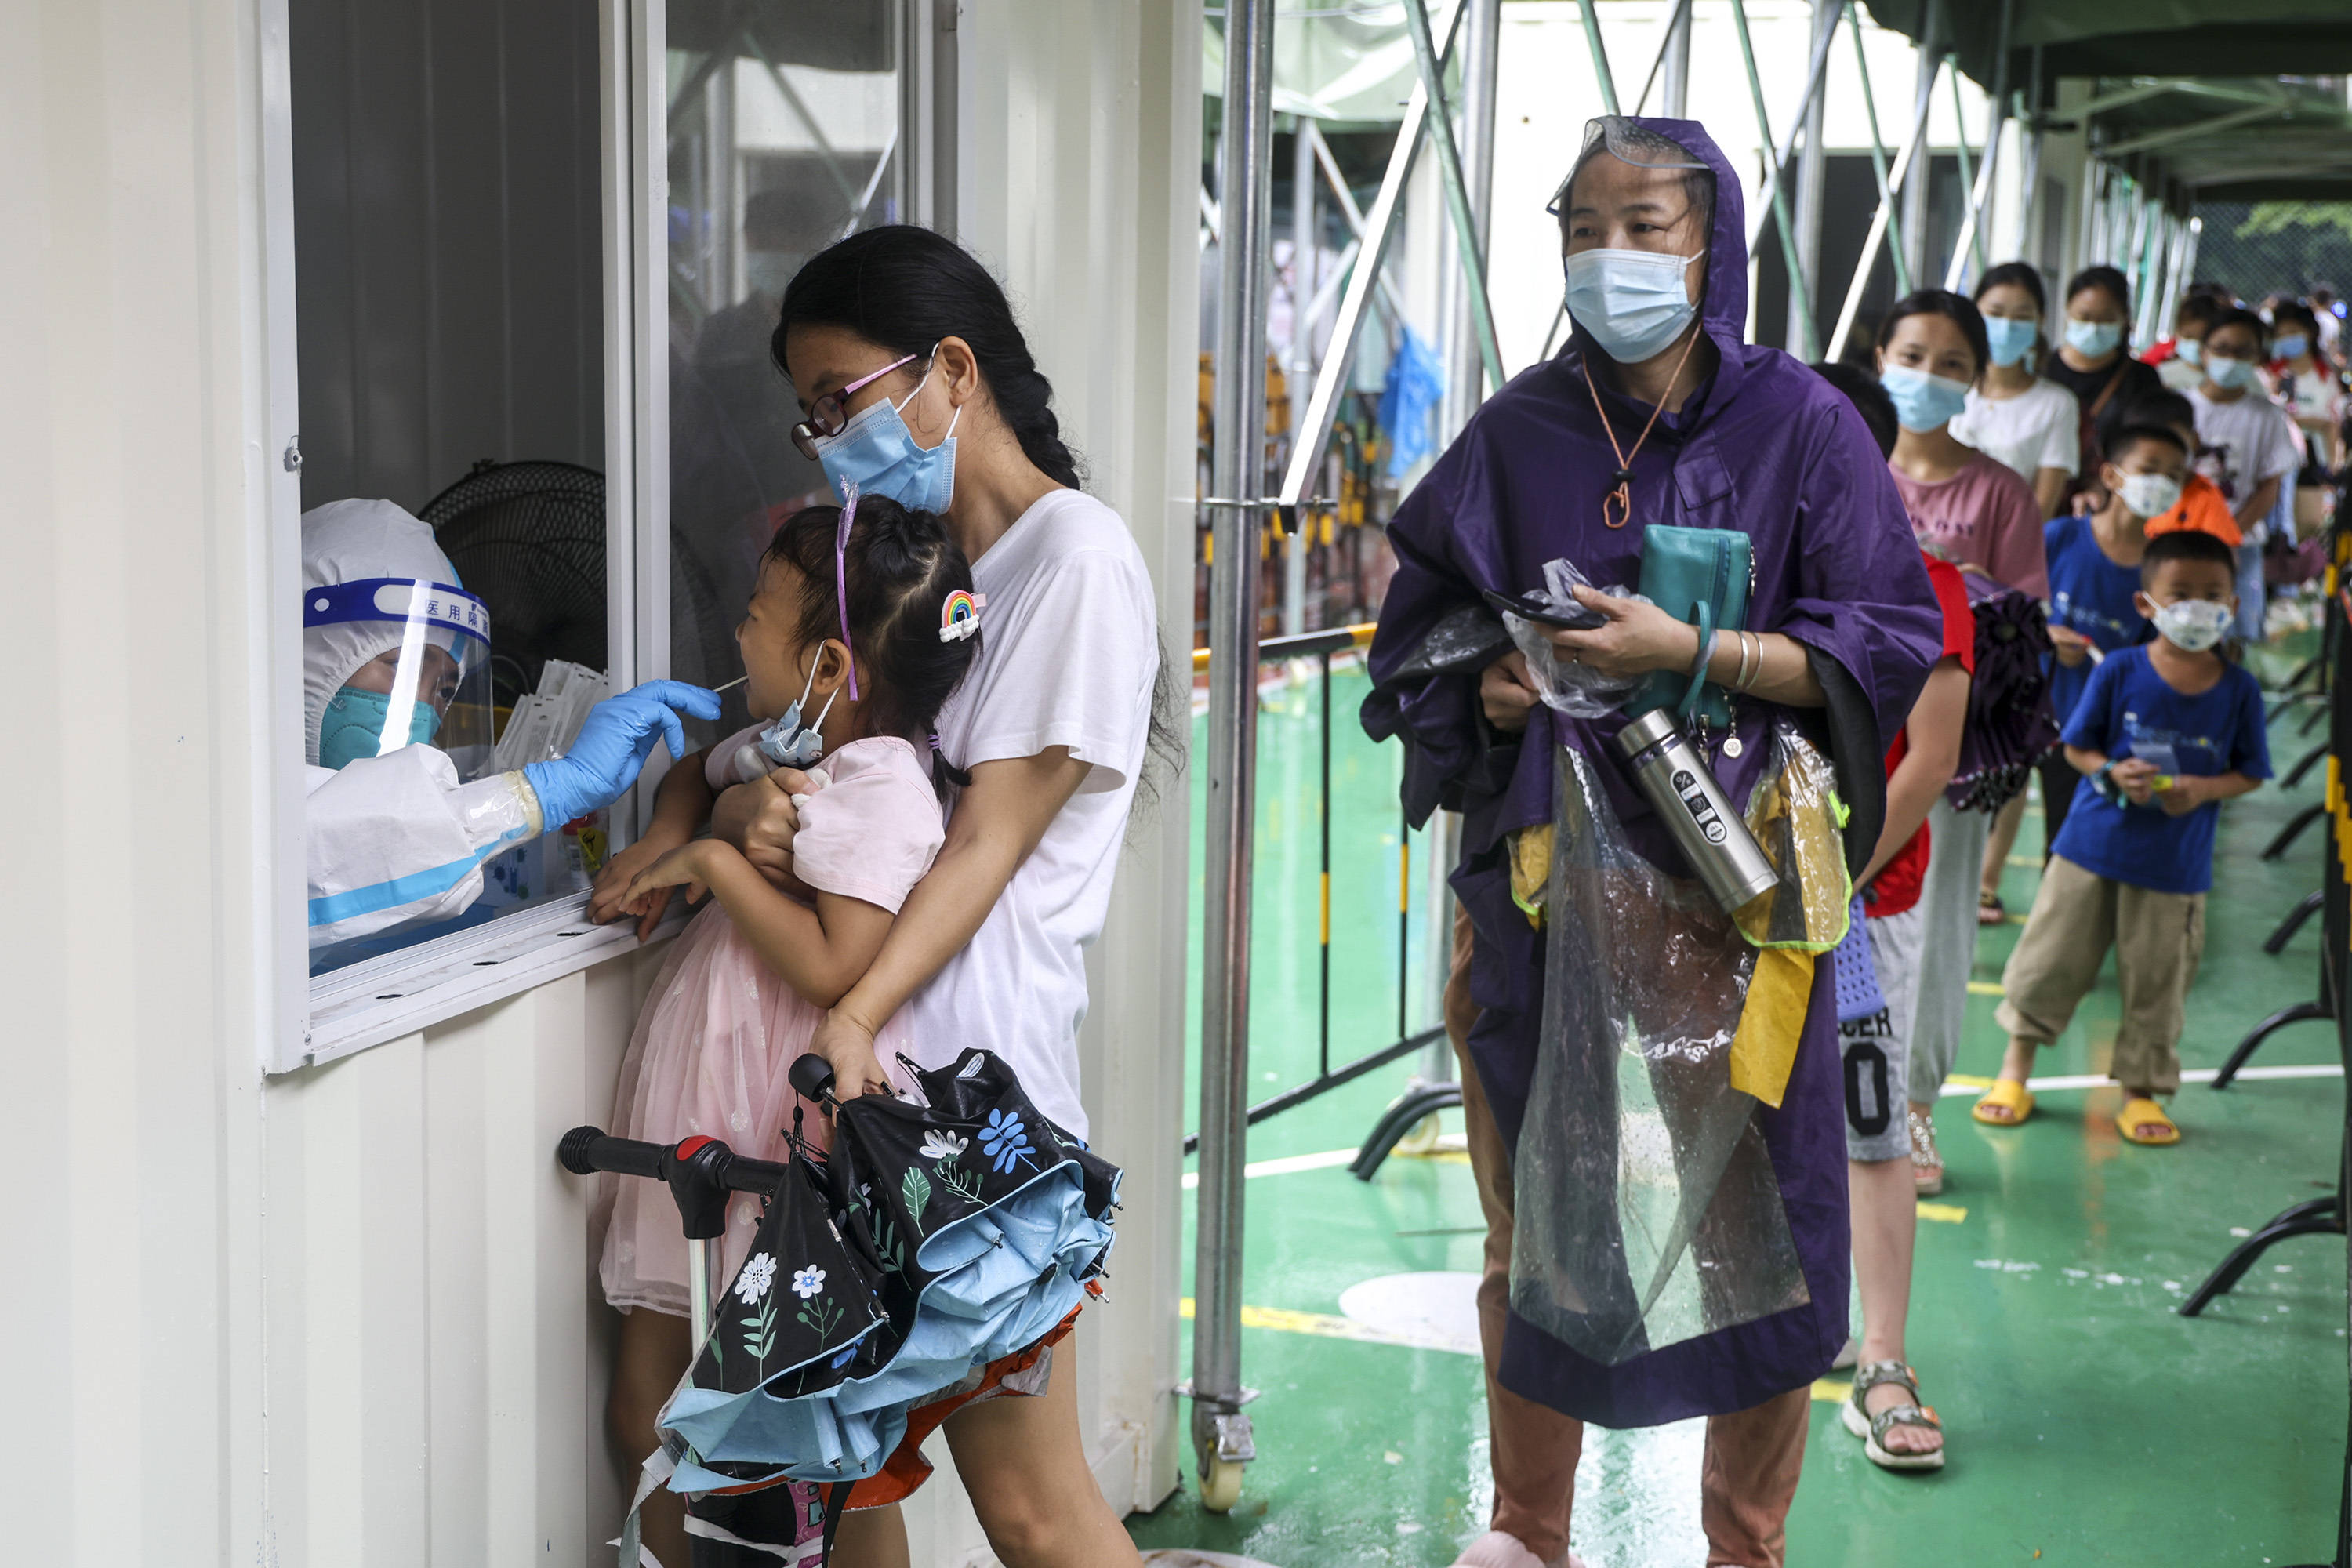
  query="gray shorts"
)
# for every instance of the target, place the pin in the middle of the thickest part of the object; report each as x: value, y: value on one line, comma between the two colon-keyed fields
x: 1877, y: 1050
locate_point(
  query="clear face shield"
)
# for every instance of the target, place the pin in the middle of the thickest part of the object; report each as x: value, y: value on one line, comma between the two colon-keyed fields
x: 1627, y: 142
x: 418, y: 660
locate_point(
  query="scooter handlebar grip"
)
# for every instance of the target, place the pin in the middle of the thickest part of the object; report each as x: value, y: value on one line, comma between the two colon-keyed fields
x: 584, y: 1151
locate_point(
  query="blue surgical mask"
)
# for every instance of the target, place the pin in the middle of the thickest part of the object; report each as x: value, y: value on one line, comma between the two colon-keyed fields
x: 2192, y: 350
x: 2291, y: 346
x: 2227, y: 372
x: 877, y: 452
x: 787, y: 743
x: 1923, y: 401
x: 352, y: 725
x: 1633, y: 302
x: 2093, y: 340
x: 2010, y: 340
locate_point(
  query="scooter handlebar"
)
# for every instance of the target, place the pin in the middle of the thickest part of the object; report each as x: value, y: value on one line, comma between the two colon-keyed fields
x: 584, y: 1151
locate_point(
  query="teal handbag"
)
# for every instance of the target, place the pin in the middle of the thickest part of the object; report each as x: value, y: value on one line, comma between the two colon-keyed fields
x: 1700, y: 576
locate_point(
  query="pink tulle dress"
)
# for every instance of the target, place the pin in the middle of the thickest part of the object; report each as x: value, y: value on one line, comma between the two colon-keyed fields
x: 721, y: 1029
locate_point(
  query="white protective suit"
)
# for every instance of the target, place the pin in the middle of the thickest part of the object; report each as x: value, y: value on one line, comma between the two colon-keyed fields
x: 394, y: 839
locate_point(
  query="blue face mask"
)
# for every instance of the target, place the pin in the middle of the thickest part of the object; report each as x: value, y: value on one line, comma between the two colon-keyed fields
x: 2010, y: 340
x: 2228, y: 372
x: 1636, y: 303
x: 2291, y: 347
x: 1923, y: 401
x: 2093, y: 338
x: 2193, y: 349
x: 877, y: 452
x: 352, y: 725
x: 787, y: 743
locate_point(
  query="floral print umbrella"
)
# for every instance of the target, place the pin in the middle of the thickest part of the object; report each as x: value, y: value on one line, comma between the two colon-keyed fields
x: 940, y: 1236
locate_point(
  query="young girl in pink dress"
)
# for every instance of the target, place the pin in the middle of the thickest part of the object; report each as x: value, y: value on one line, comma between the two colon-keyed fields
x: 854, y: 679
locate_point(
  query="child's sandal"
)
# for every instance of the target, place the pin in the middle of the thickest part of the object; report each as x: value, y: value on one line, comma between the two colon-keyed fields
x: 1872, y: 1429
x: 1926, y: 1160
x: 2140, y: 1112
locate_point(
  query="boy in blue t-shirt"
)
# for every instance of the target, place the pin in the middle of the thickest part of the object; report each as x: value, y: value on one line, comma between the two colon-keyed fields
x: 2164, y: 732
x: 2094, y: 562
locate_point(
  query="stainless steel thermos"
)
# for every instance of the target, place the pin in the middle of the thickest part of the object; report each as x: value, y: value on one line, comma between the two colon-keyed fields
x: 1681, y: 790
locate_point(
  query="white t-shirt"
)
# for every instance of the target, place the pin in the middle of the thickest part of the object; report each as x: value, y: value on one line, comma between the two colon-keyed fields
x: 2040, y: 427
x: 1069, y: 647
x: 2246, y: 441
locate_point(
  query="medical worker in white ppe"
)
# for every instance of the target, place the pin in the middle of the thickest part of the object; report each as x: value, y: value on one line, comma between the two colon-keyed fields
x: 398, y: 732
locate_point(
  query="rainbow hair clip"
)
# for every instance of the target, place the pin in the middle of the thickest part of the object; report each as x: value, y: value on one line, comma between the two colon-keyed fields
x: 959, y: 616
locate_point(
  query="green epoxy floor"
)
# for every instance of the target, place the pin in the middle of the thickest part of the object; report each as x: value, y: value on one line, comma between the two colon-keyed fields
x: 2088, y: 1422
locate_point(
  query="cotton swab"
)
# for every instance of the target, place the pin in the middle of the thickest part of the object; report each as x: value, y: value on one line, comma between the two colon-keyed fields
x: 732, y: 684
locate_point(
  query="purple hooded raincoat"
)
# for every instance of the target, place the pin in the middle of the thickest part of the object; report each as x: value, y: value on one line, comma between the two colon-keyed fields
x: 1765, y: 446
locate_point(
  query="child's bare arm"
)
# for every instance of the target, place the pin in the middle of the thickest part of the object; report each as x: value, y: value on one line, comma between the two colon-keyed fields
x: 820, y: 952
x: 1931, y: 755
x: 681, y: 805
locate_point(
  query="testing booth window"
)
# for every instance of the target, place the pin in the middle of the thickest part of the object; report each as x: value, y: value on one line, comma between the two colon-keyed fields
x: 480, y: 563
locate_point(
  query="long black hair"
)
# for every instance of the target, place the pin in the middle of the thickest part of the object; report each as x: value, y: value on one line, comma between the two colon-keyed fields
x: 2022, y: 274
x: 899, y: 568
x: 1961, y: 310
x: 903, y: 289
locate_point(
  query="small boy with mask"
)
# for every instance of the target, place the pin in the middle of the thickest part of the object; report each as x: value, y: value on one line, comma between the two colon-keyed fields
x: 2163, y: 734
x: 2094, y: 562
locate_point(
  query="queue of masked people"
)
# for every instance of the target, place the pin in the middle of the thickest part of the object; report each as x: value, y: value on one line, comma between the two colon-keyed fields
x: 1786, y: 575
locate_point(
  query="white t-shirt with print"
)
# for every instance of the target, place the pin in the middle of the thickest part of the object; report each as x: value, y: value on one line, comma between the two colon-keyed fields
x: 1070, y: 646
x: 2246, y: 441
x: 2040, y: 427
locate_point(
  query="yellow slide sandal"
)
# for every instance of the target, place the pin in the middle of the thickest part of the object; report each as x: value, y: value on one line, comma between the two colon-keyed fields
x: 2006, y: 1104
x: 2143, y: 1121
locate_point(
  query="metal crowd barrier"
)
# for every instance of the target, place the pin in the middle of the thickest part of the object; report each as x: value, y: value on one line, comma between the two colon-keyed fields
x: 1321, y: 647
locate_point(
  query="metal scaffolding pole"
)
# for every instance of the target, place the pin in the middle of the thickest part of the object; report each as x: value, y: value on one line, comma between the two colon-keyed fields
x: 1345, y: 200
x: 1897, y: 185
x: 1482, y: 28
x: 1379, y: 228
x: 1812, y: 182
x: 1675, y: 69
x: 1457, y: 191
x: 1914, y: 197
x: 2029, y: 175
x: 1221, y: 1432
x: 1970, y: 243
x: 1878, y: 153
x: 1600, y: 54
x: 1301, y: 364
x: 1773, y: 198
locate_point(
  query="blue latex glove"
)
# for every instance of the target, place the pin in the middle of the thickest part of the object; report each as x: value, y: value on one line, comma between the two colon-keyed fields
x: 614, y: 741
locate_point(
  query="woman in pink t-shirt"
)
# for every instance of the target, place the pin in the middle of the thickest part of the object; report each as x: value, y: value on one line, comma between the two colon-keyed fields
x: 1965, y: 507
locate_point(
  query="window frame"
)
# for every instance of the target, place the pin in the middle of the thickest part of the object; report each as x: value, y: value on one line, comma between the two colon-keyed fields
x: 396, y: 994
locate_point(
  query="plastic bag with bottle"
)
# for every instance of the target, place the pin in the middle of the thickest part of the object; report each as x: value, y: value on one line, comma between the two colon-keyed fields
x: 1648, y: 1212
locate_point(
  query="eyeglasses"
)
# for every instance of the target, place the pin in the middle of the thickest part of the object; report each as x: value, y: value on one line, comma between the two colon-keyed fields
x: 829, y: 415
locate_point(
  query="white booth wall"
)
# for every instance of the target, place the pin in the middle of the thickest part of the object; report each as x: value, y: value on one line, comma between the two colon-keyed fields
x: 347, y: 1315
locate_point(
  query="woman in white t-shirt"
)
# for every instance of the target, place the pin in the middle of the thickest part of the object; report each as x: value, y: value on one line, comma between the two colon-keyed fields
x: 918, y: 386
x: 2020, y: 419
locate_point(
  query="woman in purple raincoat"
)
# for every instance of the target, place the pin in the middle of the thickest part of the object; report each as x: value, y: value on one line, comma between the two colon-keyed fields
x: 1655, y: 413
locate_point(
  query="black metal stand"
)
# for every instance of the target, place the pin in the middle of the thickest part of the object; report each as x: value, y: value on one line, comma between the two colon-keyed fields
x: 2301, y: 1013
x: 1406, y: 1113
x: 2292, y: 830
x: 2308, y: 906
x: 2333, y: 902
x: 2319, y: 1216
x: 2303, y: 764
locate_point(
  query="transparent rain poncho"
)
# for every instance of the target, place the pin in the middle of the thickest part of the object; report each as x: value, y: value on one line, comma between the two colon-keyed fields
x: 1647, y: 1211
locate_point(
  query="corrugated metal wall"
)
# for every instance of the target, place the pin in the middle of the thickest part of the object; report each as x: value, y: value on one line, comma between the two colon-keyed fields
x: 445, y: 240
